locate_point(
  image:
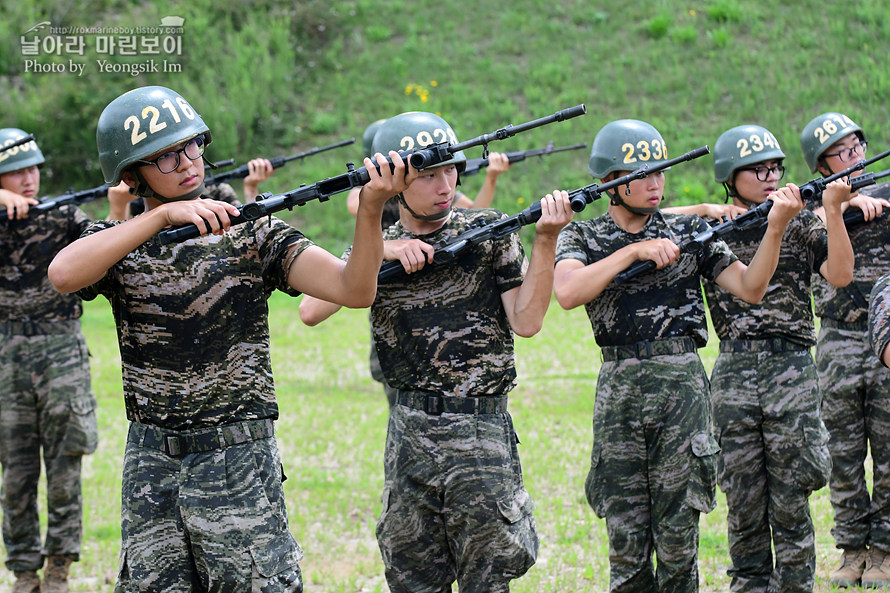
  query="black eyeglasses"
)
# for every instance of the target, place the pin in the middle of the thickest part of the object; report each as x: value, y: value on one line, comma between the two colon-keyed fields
x: 169, y: 161
x: 763, y: 173
x: 848, y: 154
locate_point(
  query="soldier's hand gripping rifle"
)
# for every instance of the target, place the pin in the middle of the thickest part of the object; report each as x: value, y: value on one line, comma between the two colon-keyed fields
x: 579, y: 198
x: 811, y: 190
x: 475, y: 165
x: 855, y: 216
x: 277, y: 162
x: 267, y: 204
x: 72, y: 197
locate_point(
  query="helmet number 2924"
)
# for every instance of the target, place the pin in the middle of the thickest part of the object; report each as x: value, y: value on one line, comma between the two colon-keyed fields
x: 153, y: 115
x: 425, y: 138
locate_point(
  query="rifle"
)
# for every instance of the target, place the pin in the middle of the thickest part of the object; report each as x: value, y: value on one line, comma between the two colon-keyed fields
x: 277, y: 162
x: 854, y: 216
x: 267, y: 203
x: 758, y: 215
x: 19, y: 142
x: 475, y: 165
x: 72, y: 197
x: 579, y: 199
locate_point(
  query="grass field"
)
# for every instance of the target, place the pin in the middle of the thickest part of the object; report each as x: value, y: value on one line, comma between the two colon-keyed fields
x: 331, y: 434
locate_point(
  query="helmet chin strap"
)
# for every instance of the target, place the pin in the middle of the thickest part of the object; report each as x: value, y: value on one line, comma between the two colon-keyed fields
x: 142, y: 189
x: 615, y: 199
x: 732, y: 193
x: 431, y: 217
x: 426, y: 217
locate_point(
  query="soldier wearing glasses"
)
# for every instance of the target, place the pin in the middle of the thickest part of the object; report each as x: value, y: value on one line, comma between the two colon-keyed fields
x: 764, y: 386
x: 202, y: 504
x: 855, y: 386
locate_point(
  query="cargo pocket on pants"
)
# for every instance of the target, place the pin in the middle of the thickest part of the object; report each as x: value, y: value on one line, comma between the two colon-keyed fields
x: 277, y: 568
x: 521, y: 546
x: 701, y: 490
x: 81, y: 432
x: 812, y: 467
x: 593, y: 484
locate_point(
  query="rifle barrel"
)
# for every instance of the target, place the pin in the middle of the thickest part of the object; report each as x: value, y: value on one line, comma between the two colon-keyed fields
x: 19, y: 142
x: 267, y: 204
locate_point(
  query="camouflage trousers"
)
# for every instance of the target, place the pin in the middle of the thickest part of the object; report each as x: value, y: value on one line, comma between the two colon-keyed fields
x: 774, y: 453
x: 454, y: 504
x: 653, y: 469
x: 46, y: 405
x: 209, y: 520
x: 856, y: 410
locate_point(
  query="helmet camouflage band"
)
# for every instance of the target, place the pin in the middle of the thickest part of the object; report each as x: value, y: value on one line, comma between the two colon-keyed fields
x: 742, y: 146
x: 368, y: 137
x: 142, y: 122
x: 626, y: 145
x: 414, y: 130
x: 822, y: 132
x: 19, y: 157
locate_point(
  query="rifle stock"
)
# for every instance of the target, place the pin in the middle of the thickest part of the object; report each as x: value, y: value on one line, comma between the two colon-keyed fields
x: 267, y: 204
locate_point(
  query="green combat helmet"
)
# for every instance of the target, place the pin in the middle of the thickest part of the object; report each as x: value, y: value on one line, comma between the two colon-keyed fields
x: 626, y: 145
x: 743, y: 146
x: 368, y: 137
x: 140, y: 123
x: 18, y: 157
x: 415, y: 130
x: 822, y: 132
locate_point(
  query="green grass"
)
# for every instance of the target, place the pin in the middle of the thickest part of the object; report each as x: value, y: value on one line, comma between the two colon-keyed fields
x: 331, y: 433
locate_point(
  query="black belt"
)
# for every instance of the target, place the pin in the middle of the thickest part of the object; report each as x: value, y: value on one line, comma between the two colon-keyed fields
x: 434, y: 403
x: 851, y: 325
x: 179, y: 444
x: 27, y: 327
x: 765, y: 345
x: 644, y: 349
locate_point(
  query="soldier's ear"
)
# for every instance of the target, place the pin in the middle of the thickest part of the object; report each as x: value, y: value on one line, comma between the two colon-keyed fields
x: 127, y: 177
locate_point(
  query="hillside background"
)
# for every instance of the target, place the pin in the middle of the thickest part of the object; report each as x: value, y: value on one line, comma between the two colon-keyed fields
x: 274, y: 79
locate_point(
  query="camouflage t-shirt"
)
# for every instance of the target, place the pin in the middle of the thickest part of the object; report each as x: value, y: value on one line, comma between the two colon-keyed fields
x: 27, y: 247
x: 879, y: 315
x: 786, y: 309
x: 444, y: 329
x: 192, y: 323
x: 871, y: 247
x: 656, y: 305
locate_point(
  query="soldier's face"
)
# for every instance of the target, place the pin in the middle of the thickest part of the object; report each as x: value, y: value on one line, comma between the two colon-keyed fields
x: 756, y: 182
x: 843, y: 154
x: 187, y: 176
x: 644, y: 193
x: 25, y: 182
x: 433, y: 191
